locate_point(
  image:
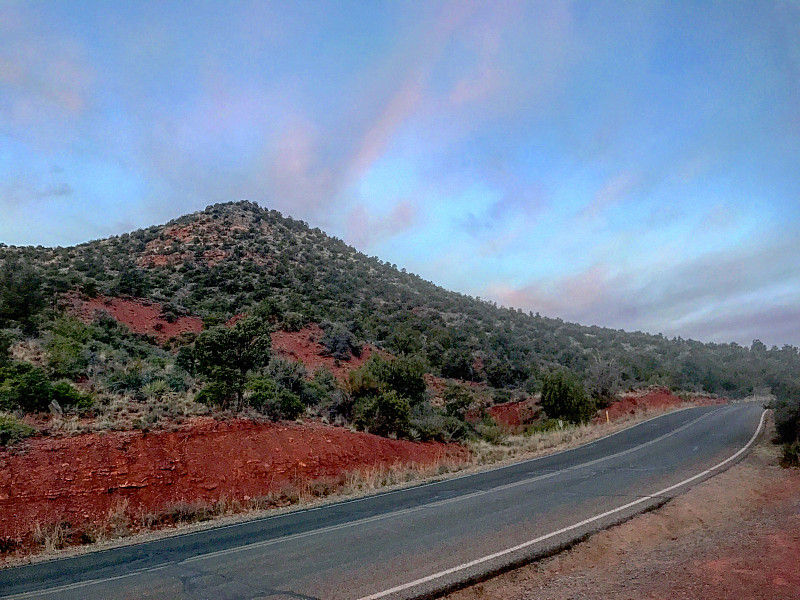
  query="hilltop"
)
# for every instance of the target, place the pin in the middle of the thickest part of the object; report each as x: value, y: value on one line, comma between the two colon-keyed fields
x: 218, y: 263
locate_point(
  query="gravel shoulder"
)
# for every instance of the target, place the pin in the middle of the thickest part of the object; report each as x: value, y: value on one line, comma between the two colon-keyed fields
x: 734, y: 536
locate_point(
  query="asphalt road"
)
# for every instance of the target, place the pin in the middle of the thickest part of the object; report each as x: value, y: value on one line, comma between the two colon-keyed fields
x: 416, y: 541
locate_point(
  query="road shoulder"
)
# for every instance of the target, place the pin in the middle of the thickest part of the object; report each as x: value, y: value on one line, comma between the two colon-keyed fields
x: 734, y: 536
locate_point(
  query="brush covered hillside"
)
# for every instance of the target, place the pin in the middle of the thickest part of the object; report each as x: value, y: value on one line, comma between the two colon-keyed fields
x: 237, y: 308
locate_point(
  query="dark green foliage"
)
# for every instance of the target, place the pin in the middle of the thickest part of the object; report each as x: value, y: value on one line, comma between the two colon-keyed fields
x: 68, y: 397
x: 563, y: 397
x: 132, y: 282
x: 66, y: 355
x: 459, y: 364
x: 27, y: 388
x: 321, y: 390
x: 457, y: 401
x: 499, y: 373
x: 21, y: 296
x: 6, y: 339
x: 217, y: 393
x: 786, y: 407
x: 273, y: 400
x: 380, y: 394
x: 428, y: 423
x: 791, y: 455
x: 384, y: 413
x: 24, y: 387
x: 289, y: 374
x: 225, y: 355
x: 404, y: 375
x: 603, y: 379
x: 339, y: 341
x: 13, y: 430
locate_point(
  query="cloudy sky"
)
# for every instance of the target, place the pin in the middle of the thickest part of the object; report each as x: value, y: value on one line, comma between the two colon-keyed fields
x: 628, y: 164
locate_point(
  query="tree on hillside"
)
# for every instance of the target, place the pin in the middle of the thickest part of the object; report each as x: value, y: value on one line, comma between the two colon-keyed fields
x: 603, y: 376
x: 225, y: 355
x: 20, y: 295
x: 563, y: 397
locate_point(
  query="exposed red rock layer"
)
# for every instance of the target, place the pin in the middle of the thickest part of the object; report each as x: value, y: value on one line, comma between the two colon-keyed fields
x: 81, y: 479
x: 304, y: 345
x: 140, y: 316
x: 513, y: 416
x: 651, y: 399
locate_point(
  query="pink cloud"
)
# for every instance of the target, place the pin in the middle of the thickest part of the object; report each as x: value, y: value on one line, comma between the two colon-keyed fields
x: 364, y: 229
x: 297, y: 177
x: 573, y: 297
x: 378, y: 135
x: 41, y: 73
x: 613, y: 192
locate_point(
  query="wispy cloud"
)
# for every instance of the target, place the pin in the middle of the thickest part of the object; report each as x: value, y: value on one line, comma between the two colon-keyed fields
x: 365, y: 229
x: 715, y: 297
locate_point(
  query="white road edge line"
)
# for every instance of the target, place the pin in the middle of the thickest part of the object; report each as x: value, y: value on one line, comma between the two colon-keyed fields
x: 507, y: 551
x: 402, y: 512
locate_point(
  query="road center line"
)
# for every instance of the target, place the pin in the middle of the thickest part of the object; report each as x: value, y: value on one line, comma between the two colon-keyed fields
x: 366, y: 520
x: 507, y: 551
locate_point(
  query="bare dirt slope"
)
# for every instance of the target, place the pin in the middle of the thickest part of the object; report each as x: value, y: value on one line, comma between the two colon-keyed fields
x: 733, y: 537
x: 80, y: 480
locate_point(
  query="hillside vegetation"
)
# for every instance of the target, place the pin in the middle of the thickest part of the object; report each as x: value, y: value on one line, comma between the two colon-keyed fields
x: 238, y: 259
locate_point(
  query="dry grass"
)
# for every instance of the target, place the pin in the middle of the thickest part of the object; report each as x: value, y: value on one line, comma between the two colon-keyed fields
x: 120, y: 523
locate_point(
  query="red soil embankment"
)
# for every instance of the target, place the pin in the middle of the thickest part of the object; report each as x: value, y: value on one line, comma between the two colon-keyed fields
x: 651, y: 399
x: 82, y: 479
x: 514, y: 416
x: 140, y: 316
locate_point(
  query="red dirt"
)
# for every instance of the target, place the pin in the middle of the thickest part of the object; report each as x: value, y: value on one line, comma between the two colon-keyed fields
x: 305, y: 346
x: 140, y: 316
x: 650, y: 399
x: 206, y: 231
x: 81, y: 479
x: 514, y: 415
x: 734, y: 536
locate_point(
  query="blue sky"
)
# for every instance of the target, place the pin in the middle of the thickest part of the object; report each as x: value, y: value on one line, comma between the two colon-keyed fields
x: 628, y: 164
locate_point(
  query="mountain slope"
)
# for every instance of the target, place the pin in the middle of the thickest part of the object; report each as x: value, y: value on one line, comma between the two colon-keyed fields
x: 221, y: 261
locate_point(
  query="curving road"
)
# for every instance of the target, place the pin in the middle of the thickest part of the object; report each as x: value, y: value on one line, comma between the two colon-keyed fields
x: 418, y: 541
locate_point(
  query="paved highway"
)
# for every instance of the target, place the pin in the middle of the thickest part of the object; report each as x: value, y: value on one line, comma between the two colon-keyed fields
x: 416, y: 541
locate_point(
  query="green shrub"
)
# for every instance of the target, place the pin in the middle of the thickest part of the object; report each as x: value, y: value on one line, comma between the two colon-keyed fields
x: 457, y: 401
x: 6, y: 339
x: 216, y: 393
x: 339, y: 341
x: 564, y: 397
x: 786, y: 407
x: 384, y: 414
x: 428, y: 423
x: 320, y: 391
x: 13, y: 430
x: 24, y: 387
x: 791, y: 455
x: 273, y: 400
x: 403, y: 375
x: 227, y: 354
x: 65, y: 350
x: 21, y: 296
x: 68, y: 397
x: 489, y: 430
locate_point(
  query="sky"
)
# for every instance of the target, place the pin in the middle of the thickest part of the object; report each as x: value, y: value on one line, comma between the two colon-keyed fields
x: 630, y: 164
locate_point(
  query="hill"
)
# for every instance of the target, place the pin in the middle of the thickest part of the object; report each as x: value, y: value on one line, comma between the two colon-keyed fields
x: 215, y: 266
